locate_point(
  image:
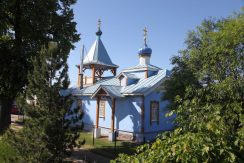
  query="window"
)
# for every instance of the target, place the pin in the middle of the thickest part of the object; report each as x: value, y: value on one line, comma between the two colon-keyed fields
x: 102, y: 108
x: 154, y: 113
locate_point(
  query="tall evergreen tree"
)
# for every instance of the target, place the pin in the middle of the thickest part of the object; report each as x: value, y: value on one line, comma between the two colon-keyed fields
x: 27, y: 25
x: 206, y: 91
x: 46, y: 135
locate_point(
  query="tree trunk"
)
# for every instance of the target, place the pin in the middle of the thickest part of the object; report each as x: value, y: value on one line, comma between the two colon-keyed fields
x: 5, y: 116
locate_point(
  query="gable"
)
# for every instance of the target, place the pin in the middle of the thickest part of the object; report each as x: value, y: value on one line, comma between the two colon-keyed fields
x: 101, y: 92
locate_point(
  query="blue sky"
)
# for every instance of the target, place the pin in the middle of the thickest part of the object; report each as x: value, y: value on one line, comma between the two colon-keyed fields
x: 168, y: 22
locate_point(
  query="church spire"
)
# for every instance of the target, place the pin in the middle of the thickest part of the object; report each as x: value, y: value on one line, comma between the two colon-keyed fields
x: 99, y: 32
x: 97, y: 58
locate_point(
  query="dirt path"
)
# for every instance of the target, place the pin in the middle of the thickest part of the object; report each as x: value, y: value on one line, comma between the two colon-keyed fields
x: 85, y: 156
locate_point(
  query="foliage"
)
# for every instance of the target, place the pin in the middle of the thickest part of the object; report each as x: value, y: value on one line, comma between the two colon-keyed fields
x: 6, y: 151
x: 206, y: 91
x: 27, y: 25
x: 46, y: 135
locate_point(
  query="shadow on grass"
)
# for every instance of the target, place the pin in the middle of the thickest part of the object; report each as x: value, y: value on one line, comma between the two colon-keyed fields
x: 106, y: 148
x: 19, y: 122
x: 112, y: 152
x: 85, y: 155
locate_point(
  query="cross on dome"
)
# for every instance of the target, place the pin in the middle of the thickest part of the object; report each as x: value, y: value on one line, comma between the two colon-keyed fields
x: 99, y: 32
x: 145, y: 51
x: 99, y: 24
x: 145, y: 35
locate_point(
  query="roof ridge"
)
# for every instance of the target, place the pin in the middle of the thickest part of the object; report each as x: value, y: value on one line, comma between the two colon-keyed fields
x: 111, y: 85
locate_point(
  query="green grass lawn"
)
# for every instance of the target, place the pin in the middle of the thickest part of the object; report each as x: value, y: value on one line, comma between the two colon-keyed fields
x: 106, y: 148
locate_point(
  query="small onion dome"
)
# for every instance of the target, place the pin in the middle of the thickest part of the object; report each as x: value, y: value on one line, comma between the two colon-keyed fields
x: 99, y: 32
x: 145, y: 51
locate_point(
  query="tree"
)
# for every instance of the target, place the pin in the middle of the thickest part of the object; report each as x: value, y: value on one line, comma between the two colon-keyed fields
x: 208, y: 101
x: 27, y: 25
x: 46, y: 135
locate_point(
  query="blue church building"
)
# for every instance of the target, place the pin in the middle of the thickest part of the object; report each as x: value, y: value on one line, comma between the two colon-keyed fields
x: 128, y: 102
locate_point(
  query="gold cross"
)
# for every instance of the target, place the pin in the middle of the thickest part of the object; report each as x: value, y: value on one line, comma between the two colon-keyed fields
x: 145, y: 35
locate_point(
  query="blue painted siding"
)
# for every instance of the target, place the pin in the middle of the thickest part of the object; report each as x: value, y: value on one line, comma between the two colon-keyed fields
x: 165, y: 123
x: 89, y: 108
x: 127, y: 114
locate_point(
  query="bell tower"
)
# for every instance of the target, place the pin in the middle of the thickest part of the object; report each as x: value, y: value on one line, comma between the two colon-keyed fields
x: 97, y: 60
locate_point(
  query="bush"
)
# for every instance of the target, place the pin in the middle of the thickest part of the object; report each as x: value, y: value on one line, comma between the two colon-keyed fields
x: 6, y: 152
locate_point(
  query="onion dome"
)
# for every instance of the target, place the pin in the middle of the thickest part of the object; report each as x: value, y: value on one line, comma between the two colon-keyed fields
x: 145, y: 51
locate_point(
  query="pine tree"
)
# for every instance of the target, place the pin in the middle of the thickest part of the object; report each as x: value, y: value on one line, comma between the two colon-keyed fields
x: 46, y: 136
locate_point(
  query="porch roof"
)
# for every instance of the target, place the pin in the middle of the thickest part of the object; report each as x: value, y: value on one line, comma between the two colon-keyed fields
x: 111, y: 90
